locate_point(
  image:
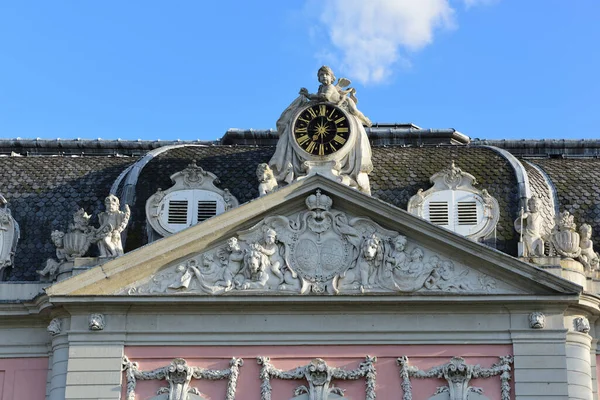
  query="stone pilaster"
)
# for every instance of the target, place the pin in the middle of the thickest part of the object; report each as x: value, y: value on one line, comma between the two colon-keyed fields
x: 579, y: 364
x: 59, y: 365
x: 95, y: 358
x: 540, y: 364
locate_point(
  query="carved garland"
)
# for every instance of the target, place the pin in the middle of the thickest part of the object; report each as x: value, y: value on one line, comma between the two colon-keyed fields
x: 179, y: 374
x: 319, y: 376
x: 458, y: 374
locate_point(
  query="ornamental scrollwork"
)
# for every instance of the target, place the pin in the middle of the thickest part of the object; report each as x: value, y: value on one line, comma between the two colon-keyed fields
x: 179, y: 375
x: 458, y: 374
x: 317, y: 251
x: 319, y: 376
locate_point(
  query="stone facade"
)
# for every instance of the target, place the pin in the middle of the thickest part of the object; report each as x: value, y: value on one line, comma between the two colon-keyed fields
x: 306, y: 290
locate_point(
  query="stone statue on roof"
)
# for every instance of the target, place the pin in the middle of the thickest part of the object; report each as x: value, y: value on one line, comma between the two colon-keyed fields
x: 529, y: 225
x: 9, y: 236
x: 324, y: 133
x: 112, y: 223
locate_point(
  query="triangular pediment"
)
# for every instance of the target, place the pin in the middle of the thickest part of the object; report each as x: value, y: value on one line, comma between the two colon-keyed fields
x: 315, y: 236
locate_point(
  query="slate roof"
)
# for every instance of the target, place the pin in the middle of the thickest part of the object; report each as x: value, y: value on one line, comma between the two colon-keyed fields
x: 397, y: 175
x: 577, y: 182
x: 44, y: 192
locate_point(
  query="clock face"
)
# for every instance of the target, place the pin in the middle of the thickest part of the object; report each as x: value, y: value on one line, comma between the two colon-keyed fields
x: 321, y: 129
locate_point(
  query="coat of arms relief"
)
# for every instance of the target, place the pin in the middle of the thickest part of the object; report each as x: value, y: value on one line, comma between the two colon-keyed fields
x: 320, y: 250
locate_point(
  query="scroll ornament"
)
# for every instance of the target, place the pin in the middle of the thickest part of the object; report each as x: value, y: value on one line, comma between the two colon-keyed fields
x: 458, y: 375
x: 178, y: 375
x: 319, y: 376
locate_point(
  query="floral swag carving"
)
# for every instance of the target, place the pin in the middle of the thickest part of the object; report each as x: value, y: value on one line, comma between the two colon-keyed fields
x: 320, y: 251
x: 319, y: 376
x: 458, y: 375
x: 178, y: 375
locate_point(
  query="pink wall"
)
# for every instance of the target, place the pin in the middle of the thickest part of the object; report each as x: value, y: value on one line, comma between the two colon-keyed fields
x: 598, y: 369
x: 288, y: 357
x: 23, y: 378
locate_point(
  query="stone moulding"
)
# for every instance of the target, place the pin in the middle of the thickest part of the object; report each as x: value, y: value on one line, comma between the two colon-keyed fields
x: 179, y: 374
x: 458, y: 374
x: 319, y: 376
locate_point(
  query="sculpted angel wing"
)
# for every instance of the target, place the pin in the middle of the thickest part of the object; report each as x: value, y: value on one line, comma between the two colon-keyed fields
x: 367, y: 227
x: 343, y: 82
x: 281, y: 225
x: 252, y: 235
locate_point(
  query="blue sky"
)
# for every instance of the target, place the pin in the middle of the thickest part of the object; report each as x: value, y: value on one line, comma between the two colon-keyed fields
x: 190, y: 70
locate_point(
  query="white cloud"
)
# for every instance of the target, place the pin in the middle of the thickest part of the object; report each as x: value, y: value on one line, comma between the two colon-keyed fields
x: 368, y: 38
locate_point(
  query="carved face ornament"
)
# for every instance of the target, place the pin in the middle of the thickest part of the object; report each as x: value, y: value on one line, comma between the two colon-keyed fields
x: 370, y: 249
x: 111, y: 203
x: 317, y: 369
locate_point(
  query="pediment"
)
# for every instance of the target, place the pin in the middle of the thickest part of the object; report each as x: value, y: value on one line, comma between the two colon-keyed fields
x: 314, y: 237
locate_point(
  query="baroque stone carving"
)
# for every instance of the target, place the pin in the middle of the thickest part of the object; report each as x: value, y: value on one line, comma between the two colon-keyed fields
x: 55, y: 326
x: 319, y: 376
x: 70, y: 245
x: 9, y: 236
x: 564, y: 236
x: 454, y: 180
x: 582, y: 324
x: 96, y: 322
x: 320, y: 250
x: 348, y: 162
x: 266, y: 179
x: 529, y: 225
x: 179, y: 376
x: 537, y: 320
x: 112, y: 223
x: 588, y: 257
x: 458, y: 375
x: 193, y: 179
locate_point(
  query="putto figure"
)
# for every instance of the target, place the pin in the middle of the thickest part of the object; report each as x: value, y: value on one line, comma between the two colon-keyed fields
x: 336, y: 93
x: 112, y: 223
x: 267, y: 182
x: 324, y: 133
x: 529, y: 225
x: 588, y: 257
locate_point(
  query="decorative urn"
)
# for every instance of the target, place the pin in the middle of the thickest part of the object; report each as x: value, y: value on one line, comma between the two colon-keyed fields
x: 565, y: 237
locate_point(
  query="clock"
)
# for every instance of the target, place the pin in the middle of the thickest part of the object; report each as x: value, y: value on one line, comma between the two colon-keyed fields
x: 321, y: 129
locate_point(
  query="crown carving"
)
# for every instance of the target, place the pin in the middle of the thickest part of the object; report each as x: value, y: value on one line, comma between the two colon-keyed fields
x: 319, y: 201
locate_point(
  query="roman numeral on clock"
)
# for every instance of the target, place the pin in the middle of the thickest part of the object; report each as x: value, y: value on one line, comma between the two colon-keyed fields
x: 302, y: 139
x: 322, y: 110
x: 339, y: 139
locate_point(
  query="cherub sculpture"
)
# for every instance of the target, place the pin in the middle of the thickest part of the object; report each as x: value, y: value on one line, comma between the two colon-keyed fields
x: 588, y: 257
x: 231, y: 257
x: 51, y: 269
x: 112, y: 223
x: 529, y: 225
x: 269, y: 247
x: 396, y: 259
x: 337, y: 94
x: 267, y: 182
